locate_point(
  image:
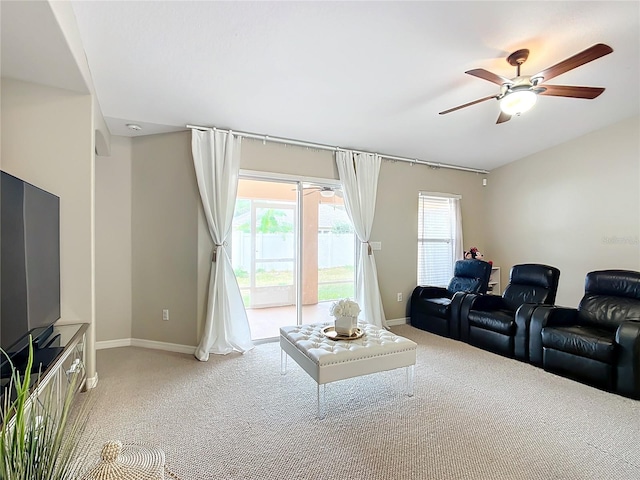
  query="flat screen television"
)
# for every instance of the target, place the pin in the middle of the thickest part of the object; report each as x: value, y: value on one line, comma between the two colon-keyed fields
x: 29, y: 262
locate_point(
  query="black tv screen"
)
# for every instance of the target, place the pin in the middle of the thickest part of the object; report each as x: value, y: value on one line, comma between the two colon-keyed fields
x: 29, y: 259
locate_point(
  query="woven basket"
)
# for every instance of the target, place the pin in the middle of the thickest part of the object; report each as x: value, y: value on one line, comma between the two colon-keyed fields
x: 128, y: 462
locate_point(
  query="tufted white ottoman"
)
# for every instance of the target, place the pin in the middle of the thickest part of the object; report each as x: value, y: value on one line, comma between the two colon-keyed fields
x: 328, y: 360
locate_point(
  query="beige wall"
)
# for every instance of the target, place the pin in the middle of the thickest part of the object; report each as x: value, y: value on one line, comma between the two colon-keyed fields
x: 396, y: 220
x: 396, y: 223
x: 171, y: 249
x: 47, y: 140
x: 164, y: 218
x: 113, y: 242
x: 575, y: 206
x: 511, y: 220
x: 287, y: 159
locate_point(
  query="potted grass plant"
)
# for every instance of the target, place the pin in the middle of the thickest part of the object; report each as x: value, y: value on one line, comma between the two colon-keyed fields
x: 40, y: 440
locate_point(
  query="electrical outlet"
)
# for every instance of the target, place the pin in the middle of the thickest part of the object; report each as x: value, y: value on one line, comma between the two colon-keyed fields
x: 165, y: 314
x: 400, y: 296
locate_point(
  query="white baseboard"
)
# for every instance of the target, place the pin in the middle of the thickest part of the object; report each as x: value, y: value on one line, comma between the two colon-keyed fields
x: 168, y: 347
x: 121, y: 342
x: 397, y: 321
x: 178, y: 348
x: 91, y: 382
x: 138, y: 342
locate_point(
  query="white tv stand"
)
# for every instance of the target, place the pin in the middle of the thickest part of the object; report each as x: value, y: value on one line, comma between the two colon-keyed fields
x: 69, y: 361
x: 58, y: 374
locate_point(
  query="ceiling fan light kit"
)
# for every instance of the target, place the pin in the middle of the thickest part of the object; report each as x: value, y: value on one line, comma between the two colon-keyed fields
x: 519, y: 94
x: 518, y: 102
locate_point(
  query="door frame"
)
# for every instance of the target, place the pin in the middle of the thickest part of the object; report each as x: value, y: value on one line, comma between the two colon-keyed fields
x: 297, y: 180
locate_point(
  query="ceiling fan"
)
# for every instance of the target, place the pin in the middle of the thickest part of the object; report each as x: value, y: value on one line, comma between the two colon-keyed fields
x: 519, y: 94
x: 326, y: 192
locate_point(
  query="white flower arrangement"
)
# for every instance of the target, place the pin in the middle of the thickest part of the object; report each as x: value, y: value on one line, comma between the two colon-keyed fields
x: 345, y: 308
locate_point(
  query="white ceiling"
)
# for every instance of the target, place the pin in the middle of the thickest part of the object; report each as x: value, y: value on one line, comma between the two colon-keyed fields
x: 364, y: 75
x: 35, y: 49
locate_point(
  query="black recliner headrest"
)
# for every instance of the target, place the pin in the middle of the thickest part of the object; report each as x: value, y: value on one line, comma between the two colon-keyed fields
x: 471, y: 268
x: 530, y: 275
x: 616, y: 283
x: 478, y: 273
x: 535, y: 274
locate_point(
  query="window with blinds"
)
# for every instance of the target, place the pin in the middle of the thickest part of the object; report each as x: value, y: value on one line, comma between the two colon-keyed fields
x: 436, y: 239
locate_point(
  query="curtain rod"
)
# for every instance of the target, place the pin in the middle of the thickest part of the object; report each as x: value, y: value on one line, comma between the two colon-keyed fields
x: 319, y: 146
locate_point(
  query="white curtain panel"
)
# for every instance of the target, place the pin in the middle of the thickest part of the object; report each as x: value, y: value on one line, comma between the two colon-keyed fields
x: 359, y: 177
x: 458, y: 244
x: 216, y: 158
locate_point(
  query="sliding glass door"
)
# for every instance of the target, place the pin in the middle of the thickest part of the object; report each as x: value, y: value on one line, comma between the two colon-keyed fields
x: 328, y: 253
x: 293, y: 252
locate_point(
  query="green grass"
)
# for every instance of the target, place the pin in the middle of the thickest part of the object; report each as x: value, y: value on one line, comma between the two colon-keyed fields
x: 335, y: 274
x: 274, y: 278
x: 327, y: 290
x: 335, y: 291
x: 271, y: 278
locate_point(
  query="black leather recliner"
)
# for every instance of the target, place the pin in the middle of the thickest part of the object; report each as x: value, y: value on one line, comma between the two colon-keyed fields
x: 437, y: 309
x: 489, y: 321
x: 599, y: 342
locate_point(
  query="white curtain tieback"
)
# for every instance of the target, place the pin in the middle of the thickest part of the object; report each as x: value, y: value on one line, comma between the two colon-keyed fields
x: 368, y: 247
x: 214, y: 257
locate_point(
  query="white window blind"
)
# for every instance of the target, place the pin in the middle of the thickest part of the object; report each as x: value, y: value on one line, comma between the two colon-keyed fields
x: 439, y: 238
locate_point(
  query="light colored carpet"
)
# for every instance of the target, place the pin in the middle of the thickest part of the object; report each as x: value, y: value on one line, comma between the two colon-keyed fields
x: 474, y: 415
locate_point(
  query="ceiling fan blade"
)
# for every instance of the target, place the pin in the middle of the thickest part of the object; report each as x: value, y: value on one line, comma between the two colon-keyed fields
x: 572, y: 91
x: 503, y: 117
x: 586, y: 56
x: 468, y: 104
x: 487, y: 75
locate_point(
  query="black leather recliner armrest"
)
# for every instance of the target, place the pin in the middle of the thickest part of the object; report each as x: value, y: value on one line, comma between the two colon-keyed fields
x: 521, y: 340
x: 454, y: 319
x: 628, y: 370
x: 467, y: 301
x: 430, y: 292
x: 547, y: 315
